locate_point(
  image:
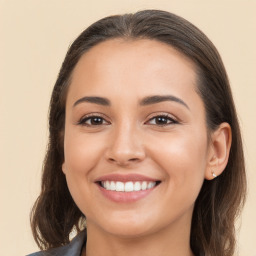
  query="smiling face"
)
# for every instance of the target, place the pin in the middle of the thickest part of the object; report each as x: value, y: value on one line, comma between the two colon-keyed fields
x: 135, y: 142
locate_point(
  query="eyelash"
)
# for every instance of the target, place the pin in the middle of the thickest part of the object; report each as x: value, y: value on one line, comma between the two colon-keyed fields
x: 166, y: 117
x: 84, y: 119
x: 90, y: 117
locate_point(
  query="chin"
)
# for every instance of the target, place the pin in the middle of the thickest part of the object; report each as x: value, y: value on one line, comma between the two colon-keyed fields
x: 129, y: 227
x: 129, y: 231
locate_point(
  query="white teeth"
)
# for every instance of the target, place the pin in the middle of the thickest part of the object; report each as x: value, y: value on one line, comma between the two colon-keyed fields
x: 137, y: 186
x: 144, y: 185
x: 128, y: 186
x: 151, y: 185
x: 112, y: 185
x: 119, y: 186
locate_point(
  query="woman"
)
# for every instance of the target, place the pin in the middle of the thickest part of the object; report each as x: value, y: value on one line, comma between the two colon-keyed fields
x: 144, y: 144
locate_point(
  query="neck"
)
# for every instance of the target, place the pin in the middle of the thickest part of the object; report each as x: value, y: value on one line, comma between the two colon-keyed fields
x: 169, y: 241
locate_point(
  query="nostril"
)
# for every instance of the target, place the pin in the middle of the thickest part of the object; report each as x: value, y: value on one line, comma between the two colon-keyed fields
x: 133, y: 159
x: 123, y: 162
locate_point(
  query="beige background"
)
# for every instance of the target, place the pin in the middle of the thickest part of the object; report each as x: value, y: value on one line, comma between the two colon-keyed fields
x: 34, y: 37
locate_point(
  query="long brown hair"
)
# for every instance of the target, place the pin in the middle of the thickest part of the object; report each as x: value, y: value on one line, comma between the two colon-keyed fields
x: 219, y: 203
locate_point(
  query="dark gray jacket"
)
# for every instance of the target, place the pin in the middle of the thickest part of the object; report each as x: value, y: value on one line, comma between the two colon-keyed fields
x: 74, y: 248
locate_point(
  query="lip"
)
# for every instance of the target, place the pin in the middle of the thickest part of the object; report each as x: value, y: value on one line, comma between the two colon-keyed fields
x: 125, y: 177
x: 125, y: 197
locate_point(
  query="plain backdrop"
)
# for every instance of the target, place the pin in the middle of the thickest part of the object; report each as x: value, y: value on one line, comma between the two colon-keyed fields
x: 34, y: 38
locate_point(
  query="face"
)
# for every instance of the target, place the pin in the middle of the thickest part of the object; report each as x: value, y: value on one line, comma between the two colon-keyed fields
x: 135, y: 138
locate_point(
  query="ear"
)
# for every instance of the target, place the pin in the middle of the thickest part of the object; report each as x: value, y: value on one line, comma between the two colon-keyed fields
x: 219, y: 151
x: 64, y: 168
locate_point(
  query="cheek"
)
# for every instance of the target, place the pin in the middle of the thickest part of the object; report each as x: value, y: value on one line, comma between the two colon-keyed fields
x: 183, y: 158
x: 81, y: 152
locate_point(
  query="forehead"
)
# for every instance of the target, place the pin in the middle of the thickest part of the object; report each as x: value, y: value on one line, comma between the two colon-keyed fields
x: 139, y: 67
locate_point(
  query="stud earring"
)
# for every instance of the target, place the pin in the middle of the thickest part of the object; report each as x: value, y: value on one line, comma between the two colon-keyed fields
x: 213, y: 174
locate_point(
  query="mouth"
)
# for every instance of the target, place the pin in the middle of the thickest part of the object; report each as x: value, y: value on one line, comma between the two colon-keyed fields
x: 129, y: 186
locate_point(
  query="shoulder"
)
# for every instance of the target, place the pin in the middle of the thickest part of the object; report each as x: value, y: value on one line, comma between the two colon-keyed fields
x: 74, y: 248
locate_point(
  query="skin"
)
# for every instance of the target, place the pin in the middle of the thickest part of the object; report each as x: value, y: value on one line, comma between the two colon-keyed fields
x: 128, y: 139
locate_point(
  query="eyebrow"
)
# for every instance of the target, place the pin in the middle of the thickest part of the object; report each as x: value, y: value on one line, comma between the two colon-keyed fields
x: 144, y: 102
x: 93, y: 99
x: 159, y: 98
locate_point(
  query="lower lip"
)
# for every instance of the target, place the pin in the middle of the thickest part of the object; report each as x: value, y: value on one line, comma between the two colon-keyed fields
x: 125, y: 197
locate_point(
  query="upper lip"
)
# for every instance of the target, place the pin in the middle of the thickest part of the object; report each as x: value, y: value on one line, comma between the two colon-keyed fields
x: 125, y: 177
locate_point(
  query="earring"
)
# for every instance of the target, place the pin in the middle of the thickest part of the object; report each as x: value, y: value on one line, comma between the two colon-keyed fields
x: 213, y: 174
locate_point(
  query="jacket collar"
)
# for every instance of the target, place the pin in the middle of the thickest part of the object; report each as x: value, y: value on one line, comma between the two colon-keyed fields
x: 74, y: 248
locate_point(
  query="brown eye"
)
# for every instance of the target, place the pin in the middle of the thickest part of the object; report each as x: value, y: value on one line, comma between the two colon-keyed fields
x: 96, y: 120
x: 93, y: 121
x: 162, y: 120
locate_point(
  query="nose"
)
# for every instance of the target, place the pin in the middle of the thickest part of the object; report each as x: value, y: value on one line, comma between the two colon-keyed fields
x: 125, y: 146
